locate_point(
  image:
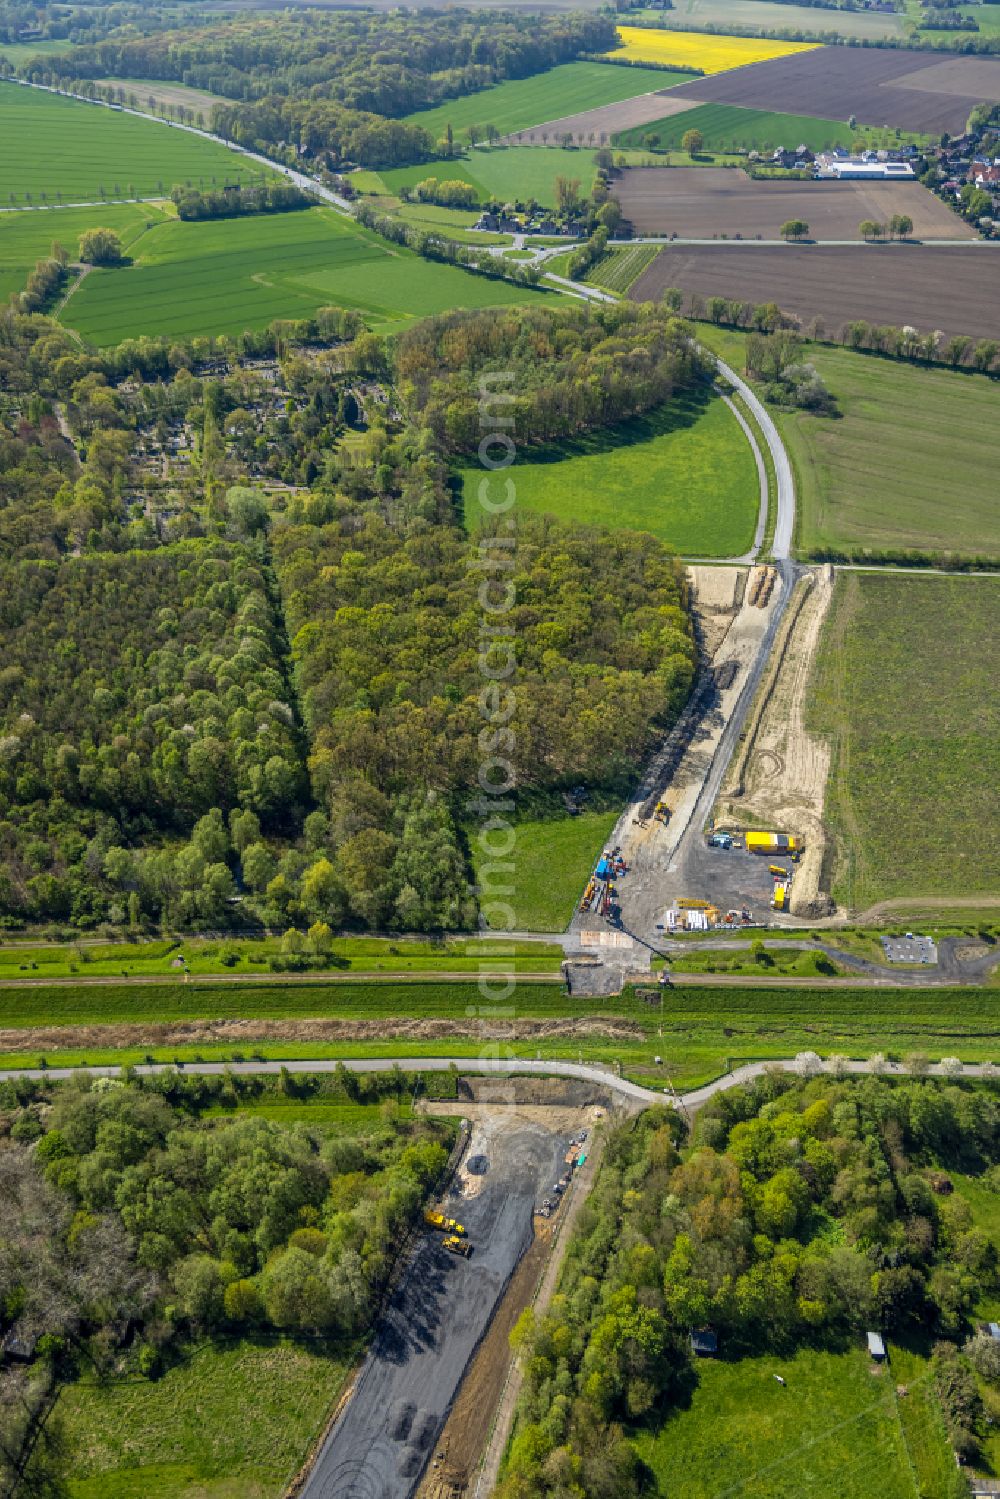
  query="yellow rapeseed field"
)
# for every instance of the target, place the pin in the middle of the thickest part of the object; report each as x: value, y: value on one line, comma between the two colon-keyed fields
x: 692, y: 49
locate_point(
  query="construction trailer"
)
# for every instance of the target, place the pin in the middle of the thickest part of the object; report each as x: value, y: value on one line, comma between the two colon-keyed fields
x: 771, y: 843
x: 781, y: 896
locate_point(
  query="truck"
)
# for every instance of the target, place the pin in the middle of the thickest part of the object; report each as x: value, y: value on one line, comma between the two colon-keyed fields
x: 720, y: 840
x: 441, y: 1223
x: 455, y: 1245
x: 771, y: 843
x: 779, y: 900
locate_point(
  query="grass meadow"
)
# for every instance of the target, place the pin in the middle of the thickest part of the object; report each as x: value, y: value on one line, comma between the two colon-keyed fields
x: 729, y: 127
x: 902, y: 691
x: 75, y: 152
x: 248, y: 955
x: 700, y: 50
x: 685, y: 473
x: 29, y: 235
x: 552, y: 862
x: 700, y: 1030
x: 223, y: 277
x: 504, y: 172
x: 833, y: 1428
x: 875, y: 476
x: 520, y: 103
x: 134, y: 1438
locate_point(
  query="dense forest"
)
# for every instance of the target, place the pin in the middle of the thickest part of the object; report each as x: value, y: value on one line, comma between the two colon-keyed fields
x: 558, y: 372
x: 330, y: 86
x: 137, y: 1222
x: 217, y: 708
x: 799, y: 1212
x: 384, y: 625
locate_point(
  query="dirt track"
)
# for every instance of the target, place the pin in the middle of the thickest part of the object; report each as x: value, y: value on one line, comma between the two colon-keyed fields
x: 389, y: 1430
x: 779, y: 775
x: 927, y: 287
x: 921, y: 91
x: 703, y: 202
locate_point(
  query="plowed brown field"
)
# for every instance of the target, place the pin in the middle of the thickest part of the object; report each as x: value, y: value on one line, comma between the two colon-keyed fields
x: 916, y: 91
x: 927, y: 287
x: 702, y: 202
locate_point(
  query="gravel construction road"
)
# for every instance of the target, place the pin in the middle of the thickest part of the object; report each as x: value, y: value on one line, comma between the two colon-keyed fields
x: 441, y: 1309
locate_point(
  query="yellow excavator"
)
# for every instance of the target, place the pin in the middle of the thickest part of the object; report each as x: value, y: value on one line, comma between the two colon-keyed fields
x: 458, y: 1246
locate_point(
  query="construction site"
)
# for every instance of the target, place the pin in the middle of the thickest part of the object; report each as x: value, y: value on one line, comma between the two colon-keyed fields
x: 421, y: 1412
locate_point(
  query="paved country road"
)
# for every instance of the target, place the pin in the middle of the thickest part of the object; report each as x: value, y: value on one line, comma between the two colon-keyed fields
x: 516, y: 1066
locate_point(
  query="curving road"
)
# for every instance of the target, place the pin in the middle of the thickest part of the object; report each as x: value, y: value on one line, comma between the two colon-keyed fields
x: 517, y: 1066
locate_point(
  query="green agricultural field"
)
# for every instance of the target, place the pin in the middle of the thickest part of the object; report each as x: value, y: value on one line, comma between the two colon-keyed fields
x: 727, y: 126
x: 28, y: 235
x: 455, y: 223
x: 552, y: 861
x: 832, y: 1428
x: 686, y: 474
x: 522, y: 102
x: 702, y: 1029
x: 231, y: 1422
x: 908, y: 436
x: 901, y: 692
x: 18, y: 52
x: 72, y: 151
x: 234, y: 274
x: 873, y: 478
x: 766, y: 16
x: 506, y: 172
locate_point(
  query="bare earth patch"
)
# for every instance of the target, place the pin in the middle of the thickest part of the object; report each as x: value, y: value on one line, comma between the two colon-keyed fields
x: 880, y: 85
x: 704, y: 202
x: 243, y: 1032
x: 779, y: 775
x: 928, y: 287
x: 604, y: 121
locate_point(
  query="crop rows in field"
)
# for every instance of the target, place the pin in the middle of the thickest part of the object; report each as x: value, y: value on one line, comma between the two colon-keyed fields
x: 622, y: 267
x: 521, y: 102
x: 79, y: 152
x: 728, y: 127
x: 242, y: 273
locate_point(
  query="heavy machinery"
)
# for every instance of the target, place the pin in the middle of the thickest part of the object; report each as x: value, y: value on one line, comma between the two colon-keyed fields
x: 779, y: 871
x: 770, y: 843
x: 442, y: 1224
x: 455, y: 1245
x: 662, y: 813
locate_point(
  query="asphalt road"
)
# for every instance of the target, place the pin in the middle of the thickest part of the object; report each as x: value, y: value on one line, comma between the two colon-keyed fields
x: 439, y: 1312
x: 621, y: 1086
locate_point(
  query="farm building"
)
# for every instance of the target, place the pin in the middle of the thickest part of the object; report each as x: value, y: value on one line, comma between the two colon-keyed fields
x: 876, y: 1347
x: 858, y: 169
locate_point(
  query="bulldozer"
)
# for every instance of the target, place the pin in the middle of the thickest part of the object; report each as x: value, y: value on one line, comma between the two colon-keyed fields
x: 442, y: 1224
x: 455, y: 1245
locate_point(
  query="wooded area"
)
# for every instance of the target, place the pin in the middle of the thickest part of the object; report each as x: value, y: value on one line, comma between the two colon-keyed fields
x: 803, y: 1213
x: 167, y: 756
x: 136, y: 1224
